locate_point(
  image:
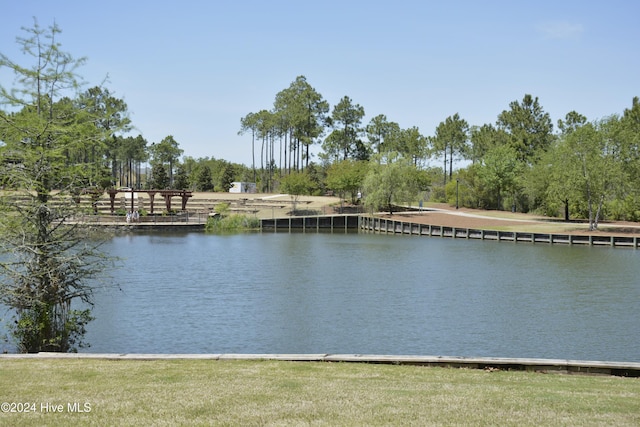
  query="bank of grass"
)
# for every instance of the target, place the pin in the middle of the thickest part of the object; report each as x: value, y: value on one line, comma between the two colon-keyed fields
x: 235, y: 222
x: 207, y: 392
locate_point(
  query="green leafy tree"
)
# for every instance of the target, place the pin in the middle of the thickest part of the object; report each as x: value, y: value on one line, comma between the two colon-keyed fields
x: 499, y: 173
x: 392, y: 179
x: 630, y: 155
x: 296, y: 184
x: 591, y: 166
x: 50, y: 264
x: 347, y: 177
x: 552, y: 174
x: 467, y: 189
x: 484, y: 138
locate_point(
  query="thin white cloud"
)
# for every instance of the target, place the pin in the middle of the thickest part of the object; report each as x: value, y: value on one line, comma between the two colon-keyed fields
x: 560, y: 30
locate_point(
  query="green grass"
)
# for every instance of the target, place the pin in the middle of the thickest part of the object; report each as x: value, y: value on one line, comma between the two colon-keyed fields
x: 207, y: 392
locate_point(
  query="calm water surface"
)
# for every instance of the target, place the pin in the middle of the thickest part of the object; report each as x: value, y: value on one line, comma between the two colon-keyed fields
x: 366, y: 293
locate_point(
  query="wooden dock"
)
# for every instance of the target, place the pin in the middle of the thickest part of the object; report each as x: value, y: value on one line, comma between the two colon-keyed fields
x: 345, y: 223
x: 314, y: 223
x: 357, y: 222
x: 389, y: 226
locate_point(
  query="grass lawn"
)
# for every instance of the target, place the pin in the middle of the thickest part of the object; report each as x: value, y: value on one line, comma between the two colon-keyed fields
x: 206, y: 392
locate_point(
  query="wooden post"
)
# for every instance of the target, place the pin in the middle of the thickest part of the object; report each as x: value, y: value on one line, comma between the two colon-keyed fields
x: 112, y: 198
x: 152, y: 194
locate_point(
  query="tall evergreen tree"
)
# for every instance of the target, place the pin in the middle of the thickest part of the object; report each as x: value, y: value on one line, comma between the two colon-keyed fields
x: 112, y: 121
x: 302, y: 114
x: 408, y: 142
x: 167, y: 152
x: 451, y: 140
x: 181, y: 178
x: 529, y: 126
x: 250, y: 123
x: 378, y: 130
x: 159, y: 177
x: 344, y: 141
x: 484, y: 138
x: 203, y: 179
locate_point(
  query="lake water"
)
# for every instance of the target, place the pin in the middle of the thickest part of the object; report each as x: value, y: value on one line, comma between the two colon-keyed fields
x: 367, y: 293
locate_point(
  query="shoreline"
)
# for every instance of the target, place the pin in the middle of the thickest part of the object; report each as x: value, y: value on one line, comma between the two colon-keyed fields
x: 446, y: 216
x: 559, y: 366
x: 436, y: 222
x: 276, y: 205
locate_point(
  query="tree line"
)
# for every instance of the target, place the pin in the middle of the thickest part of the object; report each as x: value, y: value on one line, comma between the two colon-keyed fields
x: 111, y: 158
x: 522, y: 162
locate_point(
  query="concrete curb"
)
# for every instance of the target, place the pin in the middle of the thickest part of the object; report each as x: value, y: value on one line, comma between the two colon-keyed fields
x: 566, y: 366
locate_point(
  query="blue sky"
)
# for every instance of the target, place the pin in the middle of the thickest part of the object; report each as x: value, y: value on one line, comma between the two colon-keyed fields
x: 192, y: 69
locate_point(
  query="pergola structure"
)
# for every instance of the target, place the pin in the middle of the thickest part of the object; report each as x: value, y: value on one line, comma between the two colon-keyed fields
x: 166, y: 195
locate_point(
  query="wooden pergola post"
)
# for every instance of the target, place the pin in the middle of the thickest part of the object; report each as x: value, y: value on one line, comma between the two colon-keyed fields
x: 166, y: 194
x: 151, y: 194
x: 112, y: 198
